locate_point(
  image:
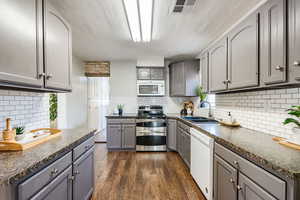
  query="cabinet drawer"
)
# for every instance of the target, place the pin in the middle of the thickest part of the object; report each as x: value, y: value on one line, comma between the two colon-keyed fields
x: 184, y: 126
x: 83, y: 147
x: 32, y: 185
x: 266, y: 180
x: 121, y: 121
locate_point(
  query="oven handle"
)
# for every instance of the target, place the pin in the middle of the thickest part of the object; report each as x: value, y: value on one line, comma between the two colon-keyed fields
x: 151, y: 124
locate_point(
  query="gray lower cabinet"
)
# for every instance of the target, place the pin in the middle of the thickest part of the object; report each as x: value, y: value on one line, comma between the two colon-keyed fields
x: 248, y: 190
x: 204, y: 71
x: 273, y: 42
x: 218, y: 66
x: 237, y: 178
x: 121, y: 133
x: 225, y: 177
x: 114, y: 136
x: 294, y: 40
x: 184, y: 78
x: 58, y: 52
x: 59, y: 189
x: 184, y: 145
x: 83, y: 183
x: 243, y: 54
x: 172, y: 134
x: 21, y: 53
x: 128, y: 136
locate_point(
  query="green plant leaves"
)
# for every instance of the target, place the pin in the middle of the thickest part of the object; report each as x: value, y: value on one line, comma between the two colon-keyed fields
x: 293, y: 111
x: 291, y: 120
x: 199, y: 92
x: 53, y: 107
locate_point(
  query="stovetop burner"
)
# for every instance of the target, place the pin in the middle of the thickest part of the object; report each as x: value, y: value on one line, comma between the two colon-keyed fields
x: 151, y: 112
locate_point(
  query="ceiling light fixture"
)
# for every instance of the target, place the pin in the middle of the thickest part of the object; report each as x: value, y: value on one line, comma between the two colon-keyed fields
x: 139, y: 16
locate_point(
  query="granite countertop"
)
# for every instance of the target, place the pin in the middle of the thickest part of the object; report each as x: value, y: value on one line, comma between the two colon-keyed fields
x: 16, y: 166
x: 125, y: 115
x: 253, y: 145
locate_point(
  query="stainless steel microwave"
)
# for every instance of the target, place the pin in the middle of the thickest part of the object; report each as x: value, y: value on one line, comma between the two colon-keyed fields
x: 150, y: 88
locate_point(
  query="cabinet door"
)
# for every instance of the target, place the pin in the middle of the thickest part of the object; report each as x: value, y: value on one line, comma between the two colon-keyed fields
x: 204, y: 71
x: 157, y: 73
x: 143, y: 73
x: 59, y: 189
x: 225, y: 180
x: 294, y: 40
x: 187, y: 148
x: 178, y: 82
x: 172, y: 134
x: 128, y: 136
x: 218, y: 66
x: 21, y: 33
x: 58, y: 50
x: 243, y: 51
x: 83, y: 170
x: 114, y: 136
x: 273, y: 37
x: 249, y: 190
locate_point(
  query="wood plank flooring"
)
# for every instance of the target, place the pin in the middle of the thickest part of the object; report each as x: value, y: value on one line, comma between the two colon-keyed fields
x: 142, y: 176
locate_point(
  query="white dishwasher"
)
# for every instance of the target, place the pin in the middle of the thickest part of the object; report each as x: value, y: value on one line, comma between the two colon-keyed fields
x: 202, y: 161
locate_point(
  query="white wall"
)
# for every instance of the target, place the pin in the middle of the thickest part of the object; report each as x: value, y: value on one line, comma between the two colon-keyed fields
x: 123, y: 90
x: 72, y: 107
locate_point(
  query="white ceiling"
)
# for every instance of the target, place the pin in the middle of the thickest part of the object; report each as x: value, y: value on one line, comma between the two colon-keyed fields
x: 100, y: 30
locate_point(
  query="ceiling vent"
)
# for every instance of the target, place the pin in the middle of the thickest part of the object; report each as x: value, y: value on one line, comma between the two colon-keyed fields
x: 182, y: 5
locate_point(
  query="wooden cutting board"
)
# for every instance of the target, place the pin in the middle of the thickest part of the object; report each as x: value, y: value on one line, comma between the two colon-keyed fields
x: 283, y: 142
x: 21, y: 146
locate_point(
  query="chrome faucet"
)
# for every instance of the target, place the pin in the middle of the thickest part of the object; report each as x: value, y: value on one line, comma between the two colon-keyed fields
x: 209, y: 107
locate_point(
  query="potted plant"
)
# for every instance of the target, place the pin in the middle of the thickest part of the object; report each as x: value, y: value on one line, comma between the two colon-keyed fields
x: 201, y: 94
x: 294, y: 111
x: 53, y: 110
x: 120, y: 109
x: 20, y: 132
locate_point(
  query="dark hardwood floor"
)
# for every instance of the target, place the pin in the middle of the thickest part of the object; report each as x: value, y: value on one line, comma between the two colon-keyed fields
x: 142, y: 176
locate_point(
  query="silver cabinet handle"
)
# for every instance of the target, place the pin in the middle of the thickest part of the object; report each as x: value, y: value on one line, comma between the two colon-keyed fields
x: 41, y: 75
x: 231, y: 180
x: 296, y: 63
x: 279, y: 68
x: 239, y: 188
x: 71, y: 178
x: 49, y: 76
x: 54, y: 171
x: 226, y: 81
x: 236, y: 163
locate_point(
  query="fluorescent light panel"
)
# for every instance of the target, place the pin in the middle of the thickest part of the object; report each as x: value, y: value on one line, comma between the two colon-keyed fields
x: 139, y: 16
x: 146, y: 11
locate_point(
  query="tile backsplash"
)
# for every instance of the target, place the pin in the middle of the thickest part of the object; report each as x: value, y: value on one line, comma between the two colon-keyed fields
x: 24, y: 108
x: 259, y: 110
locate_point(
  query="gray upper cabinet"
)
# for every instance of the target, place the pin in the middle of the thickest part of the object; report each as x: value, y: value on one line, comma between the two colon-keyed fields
x: 273, y: 42
x: 204, y: 71
x: 184, y: 78
x: 21, y: 53
x: 114, y: 136
x: 83, y: 184
x: 172, y: 134
x: 294, y: 40
x: 248, y: 190
x: 128, y: 136
x: 58, y: 51
x: 218, y: 66
x: 225, y: 178
x: 243, y: 50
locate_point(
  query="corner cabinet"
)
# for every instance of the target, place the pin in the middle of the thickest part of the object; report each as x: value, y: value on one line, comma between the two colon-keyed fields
x: 243, y: 54
x: 273, y: 42
x: 184, y: 78
x: 36, y: 51
x: 218, y: 66
x: 294, y: 40
x: 58, y: 50
x: 21, y: 53
x: 204, y: 72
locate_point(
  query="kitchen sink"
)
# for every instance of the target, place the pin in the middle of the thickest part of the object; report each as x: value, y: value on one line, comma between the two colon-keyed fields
x: 200, y: 120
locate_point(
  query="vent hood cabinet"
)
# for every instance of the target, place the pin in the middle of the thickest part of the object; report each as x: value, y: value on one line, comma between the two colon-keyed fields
x: 184, y: 78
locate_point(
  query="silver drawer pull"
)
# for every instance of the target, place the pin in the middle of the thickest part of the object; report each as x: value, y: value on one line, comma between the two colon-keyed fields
x: 76, y: 172
x: 236, y: 162
x: 231, y: 180
x: 239, y: 188
x: 49, y: 76
x: 41, y: 75
x: 279, y: 68
x: 54, y: 171
x: 296, y: 63
x: 87, y: 147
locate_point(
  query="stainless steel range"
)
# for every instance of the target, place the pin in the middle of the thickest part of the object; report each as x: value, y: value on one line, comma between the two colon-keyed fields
x: 151, y: 129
